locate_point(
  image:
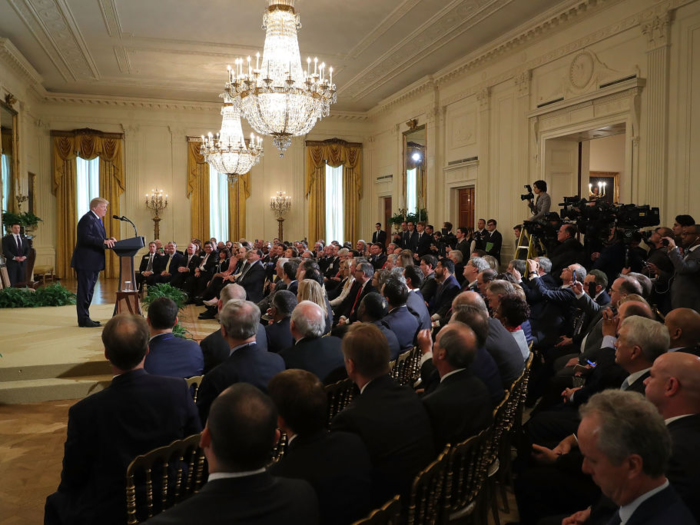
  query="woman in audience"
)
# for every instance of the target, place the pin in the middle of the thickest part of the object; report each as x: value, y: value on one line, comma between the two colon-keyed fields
x: 405, y: 259
x: 513, y: 311
x: 223, y: 262
x: 493, y: 263
x: 346, y: 284
x: 310, y: 290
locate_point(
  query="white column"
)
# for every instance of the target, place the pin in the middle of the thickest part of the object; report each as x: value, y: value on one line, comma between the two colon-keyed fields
x: 482, y: 207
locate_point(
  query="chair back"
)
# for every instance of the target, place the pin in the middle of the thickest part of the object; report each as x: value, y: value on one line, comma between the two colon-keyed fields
x: 429, y: 502
x: 180, y: 466
x: 340, y: 395
x: 280, y: 448
x: 491, y: 448
x: 389, y: 514
x: 406, y: 369
x: 193, y: 384
x: 466, y: 473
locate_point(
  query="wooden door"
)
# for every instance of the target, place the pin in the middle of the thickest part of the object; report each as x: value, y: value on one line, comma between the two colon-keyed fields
x: 466, y: 208
x: 387, y: 215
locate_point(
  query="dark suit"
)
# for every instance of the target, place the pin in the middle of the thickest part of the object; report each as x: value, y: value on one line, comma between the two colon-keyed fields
x: 352, y: 301
x: 173, y: 357
x: 459, y: 407
x: 318, y: 355
x: 429, y: 287
x: 463, y: 246
x: 423, y: 243
x: 16, y: 270
x: 494, y: 241
x: 279, y: 336
x: 171, y: 268
x: 394, y: 346
x: 180, y: 278
x: 259, y: 499
x: 505, y: 351
x: 663, y: 508
x: 378, y: 262
x: 253, y: 280
x: 395, y: 427
x: 88, y: 261
x: 195, y: 285
x: 338, y: 467
x: 416, y: 305
x: 246, y: 364
x: 404, y: 324
x: 685, y: 288
x: 446, y: 292
x: 106, y: 431
x: 379, y: 237
x: 143, y: 266
x: 216, y: 350
x: 411, y: 241
x: 684, y: 466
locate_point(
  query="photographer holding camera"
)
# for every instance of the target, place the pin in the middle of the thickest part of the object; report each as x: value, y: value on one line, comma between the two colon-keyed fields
x: 543, y: 202
x: 685, y: 288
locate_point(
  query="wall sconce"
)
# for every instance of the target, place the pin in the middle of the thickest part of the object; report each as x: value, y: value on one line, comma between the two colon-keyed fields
x: 156, y: 202
x: 280, y: 204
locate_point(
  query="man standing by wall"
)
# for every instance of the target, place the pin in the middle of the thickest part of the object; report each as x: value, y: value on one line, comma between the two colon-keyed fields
x: 89, y: 257
x: 15, y: 248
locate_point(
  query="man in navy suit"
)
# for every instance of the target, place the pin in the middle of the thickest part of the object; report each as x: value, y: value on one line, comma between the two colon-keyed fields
x: 150, y: 265
x: 399, y: 320
x: 379, y: 236
x: 415, y: 302
x: 168, y: 265
x: 107, y: 430
x: 279, y: 335
x: 170, y: 355
x: 630, y: 470
x: 372, y: 310
x: 186, y: 267
x: 312, y: 352
x: 15, y: 248
x: 336, y: 464
x: 448, y: 289
x: 237, y: 442
x: 247, y: 363
x: 252, y: 276
x: 89, y: 257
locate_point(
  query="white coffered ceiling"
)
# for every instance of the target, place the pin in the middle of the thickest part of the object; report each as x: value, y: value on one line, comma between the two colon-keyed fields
x: 179, y: 49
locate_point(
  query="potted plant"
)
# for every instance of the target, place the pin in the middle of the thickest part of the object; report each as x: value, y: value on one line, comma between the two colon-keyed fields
x: 402, y: 216
x: 27, y: 220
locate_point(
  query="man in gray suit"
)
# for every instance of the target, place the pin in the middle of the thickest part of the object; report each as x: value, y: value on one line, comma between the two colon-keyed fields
x: 685, y: 288
x: 543, y: 202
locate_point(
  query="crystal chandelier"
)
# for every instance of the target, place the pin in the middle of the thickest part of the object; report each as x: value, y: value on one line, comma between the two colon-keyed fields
x: 227, y: 152
x: 278, y: 97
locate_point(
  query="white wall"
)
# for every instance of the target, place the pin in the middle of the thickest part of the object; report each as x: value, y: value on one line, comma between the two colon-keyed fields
x: 608, y: 154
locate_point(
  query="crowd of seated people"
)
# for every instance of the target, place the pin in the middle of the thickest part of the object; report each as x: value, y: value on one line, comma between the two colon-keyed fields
x: 599, y: 335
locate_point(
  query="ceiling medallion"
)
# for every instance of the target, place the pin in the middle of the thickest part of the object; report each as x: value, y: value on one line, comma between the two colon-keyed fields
x: 227, y: 152
x: 278, y: 97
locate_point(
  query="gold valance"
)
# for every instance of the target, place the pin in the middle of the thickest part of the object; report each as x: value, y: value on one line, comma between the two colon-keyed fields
x: 334, y: 152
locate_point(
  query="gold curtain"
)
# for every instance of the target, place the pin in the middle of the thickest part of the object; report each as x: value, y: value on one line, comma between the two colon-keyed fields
x: 198, y: 190
x: 237, y: 195
x: 86, y: 144
x: 334, y: 152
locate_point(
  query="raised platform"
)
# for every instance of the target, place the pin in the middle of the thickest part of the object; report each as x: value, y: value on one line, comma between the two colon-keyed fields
x: 46, y: 356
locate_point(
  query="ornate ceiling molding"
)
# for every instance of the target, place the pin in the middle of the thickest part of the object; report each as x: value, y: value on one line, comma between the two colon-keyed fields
x: 11, y: 56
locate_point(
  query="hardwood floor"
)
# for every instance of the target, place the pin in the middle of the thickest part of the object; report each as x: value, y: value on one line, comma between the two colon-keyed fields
x: 105, y: 289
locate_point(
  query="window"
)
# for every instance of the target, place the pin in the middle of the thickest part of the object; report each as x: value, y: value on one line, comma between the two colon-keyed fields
x: 335, y: 217
x: 218, y: 205
x: 6, y: 182
x: 411, y: 191
x: 88, y: 183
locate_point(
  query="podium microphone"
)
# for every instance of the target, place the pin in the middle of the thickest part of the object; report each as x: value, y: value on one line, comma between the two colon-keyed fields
x: 122, y: 218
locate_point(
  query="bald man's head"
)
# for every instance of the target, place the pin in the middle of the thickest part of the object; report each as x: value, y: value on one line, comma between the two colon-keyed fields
x: 470, y: 299
x: 684, y: 327
x: 456, y: 344
x: 630, y: 308
x: 674, y: 384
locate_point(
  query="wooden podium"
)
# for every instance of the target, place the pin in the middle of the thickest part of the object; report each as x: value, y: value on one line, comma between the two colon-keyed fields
x: 127, y: 299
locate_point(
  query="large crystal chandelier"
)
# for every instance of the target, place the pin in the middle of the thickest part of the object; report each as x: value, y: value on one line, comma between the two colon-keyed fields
x: 278, y: 97
x: 227, y: 152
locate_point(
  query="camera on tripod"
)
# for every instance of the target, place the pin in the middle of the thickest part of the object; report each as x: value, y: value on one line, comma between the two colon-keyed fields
x: 529, y: 195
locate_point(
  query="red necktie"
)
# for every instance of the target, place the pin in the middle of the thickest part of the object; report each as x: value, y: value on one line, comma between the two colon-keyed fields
x: 359, y: 292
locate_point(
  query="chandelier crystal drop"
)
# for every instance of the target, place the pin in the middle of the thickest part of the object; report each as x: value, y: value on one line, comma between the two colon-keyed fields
x: 227, y: 152
x: 278, y: 97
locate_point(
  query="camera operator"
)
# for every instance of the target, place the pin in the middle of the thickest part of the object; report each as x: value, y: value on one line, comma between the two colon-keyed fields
x: 543, y: 202
x: 568, y: 252
x: 685, y: 288
x: 659, y: 268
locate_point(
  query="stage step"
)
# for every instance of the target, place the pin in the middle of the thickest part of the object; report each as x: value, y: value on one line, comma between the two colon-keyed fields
x: 55, y: 371
x: 51, y: 389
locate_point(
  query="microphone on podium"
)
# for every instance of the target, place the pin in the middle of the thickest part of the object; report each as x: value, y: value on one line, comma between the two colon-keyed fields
x: 122, y: 218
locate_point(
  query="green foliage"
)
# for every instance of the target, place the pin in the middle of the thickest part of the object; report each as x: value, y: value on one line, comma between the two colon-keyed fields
x: 401, y: 216
x: 23, y: 219
x: 51, y: 295
x: 167, y: 290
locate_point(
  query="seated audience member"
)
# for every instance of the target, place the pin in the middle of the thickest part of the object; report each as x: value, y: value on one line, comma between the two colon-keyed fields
x: 373, y: 308
x: 399, y: 320
x: 484, y: 278
x: 252, y: 276
x: 278, y: 335
x: 196, y: 283
x: 459, y: 405
x: 311, y: 290
x: 415, y: 302
x: 170, y: 262
x: 338, y: 294
x: 512, y: 312
x: 215, y: 348
x: 136, y: 413
x: 186, y: 266
x: 498, y: 341
x: 474, y: 266
x: 377, y: 256
x: 630, y: 470
x: 290, y: 271
x: 311, y: 351
x: 169, y: 355
x: 684, y: 329
x: 247, y: 362
x: 150, y: 265
x: 389, y: 418
x: 363, y: 272
x: 337, y: 464
x: 456, y: 257
x: 448, y: 288
x: 492, y: 261
x: 429, y: 286
x: 237, y: 442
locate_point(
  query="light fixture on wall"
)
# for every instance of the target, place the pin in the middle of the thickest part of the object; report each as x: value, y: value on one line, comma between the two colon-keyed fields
x: 279, y: 98
x: 593, y: 194
x: 280, y: 204
x: 156, y: 202
x: 227, y: 152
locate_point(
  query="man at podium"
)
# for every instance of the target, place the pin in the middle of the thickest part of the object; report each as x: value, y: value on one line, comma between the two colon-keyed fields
x: 89, y: 257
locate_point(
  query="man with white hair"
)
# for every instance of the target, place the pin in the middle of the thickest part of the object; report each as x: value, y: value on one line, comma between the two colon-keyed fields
x: 311, y: 351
